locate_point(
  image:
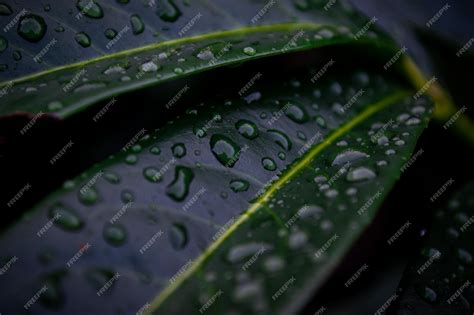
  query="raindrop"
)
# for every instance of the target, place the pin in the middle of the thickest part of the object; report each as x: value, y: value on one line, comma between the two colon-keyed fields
x: 281, y: 139
x: 168, y: 11
x: 179, y: 187
x: 348, y: 156
x: 3, y: 44
x: 239, y: 253
x: 178, y: 150
x: 360, y: 174
x: 239, y: 185
x: 250, y: 51
x: 152, y: 174
x: 297, y: 113
x: 83, y: 39
x: 137, y: 24
x: 178, y: 236
x: 247, y: 129
x: 32, y: 28
x: 269, y: 164
x: 65, y: 218
x: 225, y: 150
x: 115, y: 234
x: 88, y: 195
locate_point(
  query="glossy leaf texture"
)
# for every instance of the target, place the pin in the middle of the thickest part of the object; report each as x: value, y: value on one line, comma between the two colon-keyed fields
x: 439, y: 277
x: 241, y: 205
x: 38, y: 37
x: 216, y: 40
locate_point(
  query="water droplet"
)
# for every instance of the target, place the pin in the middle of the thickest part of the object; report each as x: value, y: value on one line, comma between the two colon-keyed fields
x: 178, y: 70
x: 54, y: 106
x: 149, y: 66
x: 32, y: 28
x: 131, y: 159
x: 247, y: 129
x: 239, y: 185
x: 254, y: 97
x: 225, y: 150
x: 206, y: 54
x: 360, y: 174
x: 282, y: 156
x: 281, y: 139
x: 297, y: 113
x: 110, y: 33
x: 178, y: 236
x: 412, y: 121
x: 88, y: 195
x: 427, y: 294
x: 90, y: 8
x: 348, y: 156
x: 65, y: 218
x: 115, y: 234
x: 5, y: 9
x: 83, y: 39
x: 240, y: 253
x: 152, y: 174
x: 320, y: 121
x: 464, y: 256
x: 273, y: 264
x: 53, y: 297
x: 155, y: 150
x: 16, y: 54
x: 250, y: 51
x: 127, y: 196
x: 3, y: 44
x: 269, y: 164
x: 390, y: 152
x: 59, y: 29
x: 297, y: 240
x: 382, y: 163
x: 137, y: 24
x: 179, y: 187
x: 168, y: 11
x: 178, y: 150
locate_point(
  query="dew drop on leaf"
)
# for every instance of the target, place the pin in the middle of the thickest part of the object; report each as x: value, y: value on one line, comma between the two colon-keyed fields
x: 225, y: 150
x: 247, y: 129
x: 359, y: 174
x: 178, y: 150
x: 65, y: 218
x: 32, y: 28
x: 114, y: 234
x: 83, y: 39
x: 179, y: 187
x: 178, y: 236
x: 239, y: 185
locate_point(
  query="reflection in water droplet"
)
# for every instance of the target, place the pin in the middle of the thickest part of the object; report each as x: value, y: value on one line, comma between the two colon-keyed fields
x: 32, y: 28
x: 179, y: 187
x: 178, y: 236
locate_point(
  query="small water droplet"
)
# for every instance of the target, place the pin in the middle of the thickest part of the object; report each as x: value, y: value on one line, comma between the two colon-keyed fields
x: 239, y: 185
x: 152, y: 174
x: 3, y: 44
x: 115, y: 234
x: 178, y: 150
x: 178, y: 235
x: 88, y: 195
x: 90, y: 9
x: 281, y: 139
x: 269, y: 164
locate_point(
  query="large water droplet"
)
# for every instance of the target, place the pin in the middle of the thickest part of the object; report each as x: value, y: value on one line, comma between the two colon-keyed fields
x: 32, y: 28
x: 360, y: 174
x: 297, y: 113
x: 225, y: 150
x: 179, y: 187
x: 348, y: 156
x: 247, y: 129
x: 65, y: 218
x: 90, y: 8
x: 281, y: 139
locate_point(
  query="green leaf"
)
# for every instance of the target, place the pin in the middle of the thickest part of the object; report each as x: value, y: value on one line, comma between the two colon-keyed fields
x: 242, y: 204
x: 438, y: 280
x: 79, y: 80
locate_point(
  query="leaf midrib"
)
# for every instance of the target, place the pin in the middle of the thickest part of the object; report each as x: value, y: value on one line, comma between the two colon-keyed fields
x: 274, y: 187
